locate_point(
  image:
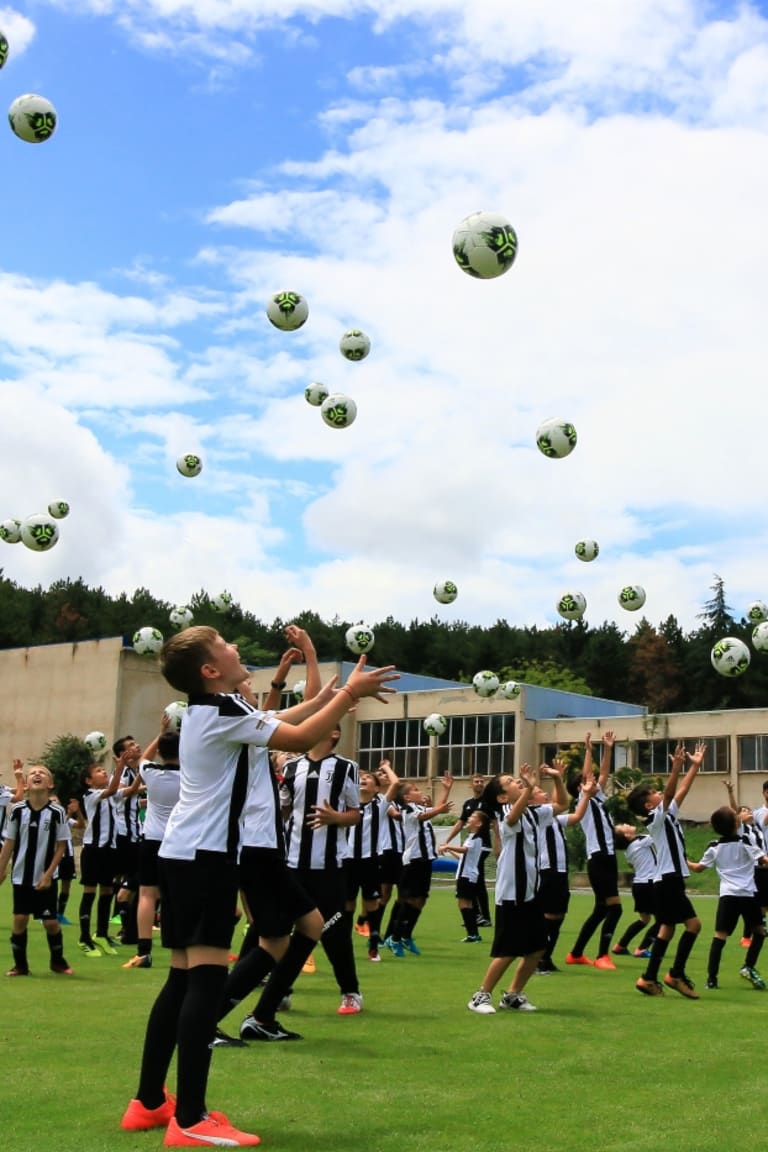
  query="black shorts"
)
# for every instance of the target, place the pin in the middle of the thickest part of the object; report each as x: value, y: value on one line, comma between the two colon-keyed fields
x: 66, y: 868
x: 325, y: 887
x: 761, y: 883
x: 520, y: 929
x: 670, y: 900
x: 275, y: 898
x: 415, y: 880
x: 731, y: 908
x: 642, y: 894
x: 97, y: 866
x: 149, y: 864
x: 554, y: 892
x: 362, y: 876
x: 390, y: 866
x: 603, y: 872
x: 127, y: 864
x: 28, y: 901
x: 199, y: 898
x: 467, y: 889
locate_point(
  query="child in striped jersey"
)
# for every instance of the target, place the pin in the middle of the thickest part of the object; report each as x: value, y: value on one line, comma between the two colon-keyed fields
x: 641, y: 857
x: 470, y: 855
x: 361, y: 866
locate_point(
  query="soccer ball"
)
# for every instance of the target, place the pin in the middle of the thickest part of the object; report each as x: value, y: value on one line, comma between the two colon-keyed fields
x: 445, y: 591
x: 189, y: 465
x: 175, y: 712
x: 572, y: 605
x: 287, y: 311
x: 181, y: 616
x: 299, y: 689
x: 556, y: 438
x: 222, y: 601
x: 760, y: 636
x: 147, y: 641
x: 632, y: 597
x: 510, y: 690
x: 32, y: 118
x: 485, y: 683
x: 3, y: 49
x: 96, y: 742
x: 757, y: 611
x: 354, y: 345
x: 338, y: 411
x: 58, y: 509
x: 587, y: 549
x: 730, y: 657
x: 315, y: 394
x: 10, y: 531
x: 484, y: 245
x: 359, y: 638
x: 39, y: 533
x: 435, y: 724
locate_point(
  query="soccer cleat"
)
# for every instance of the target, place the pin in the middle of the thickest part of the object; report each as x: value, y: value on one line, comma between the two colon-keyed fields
x: 483, y: 923
x: 649, y: 987
x: 481, y: 1003
x: 18, y: 972
x: 411, y: 947
x: 396, y: 948
x: 139, y: 962
x: 753, y: 976
x: 642, y: 953
x: 472, y: 940
x: 214, y: 1130
x: 546, y: 967
x: 309, y: 966
x: 745, y: 941
x: 252, y: 1029
x: 711, y: 982
x: 222, y: 1040
x: 88, y: 948
x: 351, y: 1004
x: 374, y: 956
x: 137, y: 1118
x: 620, y: 950
x: 362, y: 929
x: 571, y: 959
x: 516, y: 1002
x: 61, y: 967
x: 605, y: 964
x: 106, y: 944
x: 682, y: 985
x: 63, y: 920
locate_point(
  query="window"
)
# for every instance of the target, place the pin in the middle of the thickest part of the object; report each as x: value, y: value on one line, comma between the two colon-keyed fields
x: 753, y: 754
x: 653, y: 757
x: 470, y: 745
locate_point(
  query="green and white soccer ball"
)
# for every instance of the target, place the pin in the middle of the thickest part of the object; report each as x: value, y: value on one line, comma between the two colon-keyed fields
x: 189, y: 464
x: 485, y: 683
x: 510, y: 689
x: 556, y: 438
x: 730, y: 656
x: 760, y: 636
x: 175, y: 711
x: 58, y: 509
x: 181, y: 616
x: 484, y: 245
x: 757, y: 611
x: 445, y: 591
x: 147, y: 641
x: 435, y: 724
x: 39, y: 532
x: 632, y: 597
x: 314, y: 394
x: 3, y: 50
x: 338, y: 411
x: 222, y: 601
x: 354, y: 345
x: 299, y: 690
x: 287, y: 311
x: 359, y: 638
x: 32, y: 118
x: 96, y: 742
x: 10, y: 531
x: 587, y: 550
x: 572, y: 605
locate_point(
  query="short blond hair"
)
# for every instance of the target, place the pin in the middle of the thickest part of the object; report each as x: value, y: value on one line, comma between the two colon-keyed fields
x: 183, y: 655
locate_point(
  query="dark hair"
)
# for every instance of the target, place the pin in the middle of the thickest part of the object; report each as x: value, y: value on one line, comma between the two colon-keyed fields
x: 489, y: 801
x: 168, y: 745
x: 183, y: 655
x: 85, y: 774
x: 638, y: 798
x: 724, y: 821
x: 480, y: 811
x: 573, y: 785
x: 620, y: 841
x: 118, y: 745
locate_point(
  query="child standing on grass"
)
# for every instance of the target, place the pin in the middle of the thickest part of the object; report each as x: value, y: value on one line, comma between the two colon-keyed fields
x: 470, y: 874
x: 735, y: 860
x: 641, y: 857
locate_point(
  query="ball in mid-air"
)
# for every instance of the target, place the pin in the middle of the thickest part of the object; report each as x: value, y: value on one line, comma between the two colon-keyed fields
x: 445, y: 591
x: 757, y: 611
x: 510, y: 689
x: 32, y: 118
x: 730, y: 656
x: 359, y: 638
x: 189, y: 464
x: 760, y: 636
x: 181, y: 616
x: 485, y: 683
x: 484, y: 245
x: 147, y: 641
x: 435, y: 724
x: 10, y: 531
x: 3, y: 49
x: 632, y: 597
x: 58, y: 509
x: 314, y: 394
x: 556, y: 438
x: 354, y: 345
x: 95, y: 742
x: 222, y: 601
x: 587, y: 550
x: 572, y: 605
x: 287, y: 311
x: 299, y: 690
x: 39, y: 532
x: 175, y: 711
x: 338, y: 411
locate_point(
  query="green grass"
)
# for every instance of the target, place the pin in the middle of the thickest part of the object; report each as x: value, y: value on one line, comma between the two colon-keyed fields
x: 597, y: 1067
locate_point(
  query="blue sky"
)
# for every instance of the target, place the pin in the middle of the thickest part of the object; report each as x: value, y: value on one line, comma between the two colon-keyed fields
x: 209, y: 153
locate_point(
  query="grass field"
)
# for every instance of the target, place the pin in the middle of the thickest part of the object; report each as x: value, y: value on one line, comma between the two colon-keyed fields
x: 598, y: 1067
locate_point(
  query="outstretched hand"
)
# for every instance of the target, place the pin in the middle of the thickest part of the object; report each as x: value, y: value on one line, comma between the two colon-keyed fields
x: 372, y: 683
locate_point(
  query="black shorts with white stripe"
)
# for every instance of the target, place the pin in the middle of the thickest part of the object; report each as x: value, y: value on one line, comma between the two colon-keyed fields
x: 39, y: 903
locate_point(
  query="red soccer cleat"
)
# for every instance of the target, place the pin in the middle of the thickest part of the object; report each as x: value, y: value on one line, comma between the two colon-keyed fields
x: 213, y: 1130
x: 571, y: 959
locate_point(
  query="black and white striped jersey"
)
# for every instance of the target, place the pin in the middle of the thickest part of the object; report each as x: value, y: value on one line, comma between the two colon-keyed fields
x: 553, y: 850
x: 598, y: 826
x: 470, y: 860
x: 221, y: 752
x: 306, y: 783
x: 752, y: 834
x: 419, y: 834
x: 642, y: 859
x: 262, y: 824
x: 363, y: 838
x: 101, y: 826
x: 36, y: 833
x: 127, y: 820
x: 669, y: 841
x: 391, y: 834
x: 517, y: 868
x: 6, y: 795
x: 759, y: 815
x: 162, y: 782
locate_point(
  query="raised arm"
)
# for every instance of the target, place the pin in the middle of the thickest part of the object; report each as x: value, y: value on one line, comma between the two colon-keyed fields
x: 18, y: 773
x: 528, y: 782
x: 606, y: 760
x: 677, y: 759
x: 695, y: 760
x: 561, y: 801
x: 586, y: 792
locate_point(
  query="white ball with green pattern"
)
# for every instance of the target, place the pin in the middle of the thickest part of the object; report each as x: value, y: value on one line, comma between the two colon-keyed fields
x: 95, y: 742
x: 32, y: 118
x: 757, y: 611
x: 760, y: 636
x: 222, y: 601
x: 299, y: 690
x: 485, y: 683
x: 354, y: 345
x: 632, y: 597
x: 147, y: 641
x: 587, y: 550
x: 571, y: 605
x: 175, y: 711
x: 556, y: 438
x: 338, y: 410
x: 730, y: 656
x: 435, y: 724
x: 189, y: 464
x: 445, y: 591
x: 10, y: 531
x: 314, y: 394
x: 3, y: 49
x: 510, y: 689
x: 181, y: 616
x: 287, y: 311
x: 39, y: 532
x: 59, y: 509
x: 359, y: 638
x: 484, y: 245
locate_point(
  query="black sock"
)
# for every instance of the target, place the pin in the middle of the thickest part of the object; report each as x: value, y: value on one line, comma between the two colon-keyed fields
x: 56, y: 947
x: 144, y: 946
x: 755, y: 948
x: 589, y: 927
x: 553, y: 934
x: 374, y: 927
x: 630, y: 933
x: 469, y: 916
x: 102, y: 914
x: 657, y: 955
x: 715, y: 952
x: 481, y: 896
x: 687, y: 941
x: 394, y: 916
x: 337, y: 945
x: 283, y: 976
x: 649, y: 937
x: 84, y: 916
x: 612, y: 917
x: 61, y: 903
x: 19, y: 950
x: 246, y: 975
x: 130, y: 922
x: 197, y: 1027
x: 160, y: 1038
